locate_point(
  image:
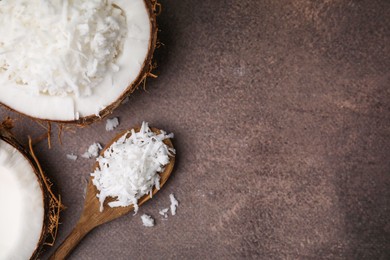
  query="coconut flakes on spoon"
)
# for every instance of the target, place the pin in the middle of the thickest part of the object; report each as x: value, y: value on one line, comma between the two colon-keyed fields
x: 129, y: 168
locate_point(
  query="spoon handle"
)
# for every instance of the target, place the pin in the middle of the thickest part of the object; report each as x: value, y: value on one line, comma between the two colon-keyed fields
x: 78, y: 233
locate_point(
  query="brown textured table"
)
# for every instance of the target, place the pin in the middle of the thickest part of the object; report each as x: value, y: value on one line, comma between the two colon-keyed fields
x: 281, y: 111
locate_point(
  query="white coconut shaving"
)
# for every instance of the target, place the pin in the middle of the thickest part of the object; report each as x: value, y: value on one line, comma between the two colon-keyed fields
x: 71, y: 44
x: 93, y: 151
x: 147, y: 220
x: 129, y: 168
x: 72, y: 157
x: 112, y: 123
x: 174, y: 204
x: 163, y: 212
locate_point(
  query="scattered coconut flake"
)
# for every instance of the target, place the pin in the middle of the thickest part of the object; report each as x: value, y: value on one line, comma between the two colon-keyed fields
x: 93, y: 151
x: 112, y: 123
x: 164, y: 212
x: 71, y: 157
x: 84, y: 179
x: 174, y: 204
x: 147, y: 220
x: 129, y: 168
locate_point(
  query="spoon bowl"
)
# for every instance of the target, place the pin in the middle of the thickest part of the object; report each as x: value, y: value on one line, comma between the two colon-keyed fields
x: 92, y: 217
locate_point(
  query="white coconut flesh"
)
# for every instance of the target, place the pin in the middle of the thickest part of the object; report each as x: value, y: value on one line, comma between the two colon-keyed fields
x: 63, y: 60
x: 21, y: 204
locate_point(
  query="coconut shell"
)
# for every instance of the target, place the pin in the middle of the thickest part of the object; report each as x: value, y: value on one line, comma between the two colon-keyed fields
x: 153, y: 9
x: 52, y: 205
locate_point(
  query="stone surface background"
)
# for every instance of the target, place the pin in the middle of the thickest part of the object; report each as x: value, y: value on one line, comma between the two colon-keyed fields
x: 281, y: 111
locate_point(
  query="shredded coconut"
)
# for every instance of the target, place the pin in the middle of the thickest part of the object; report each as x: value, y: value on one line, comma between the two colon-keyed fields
x: 129, y: 168
x: 112, y: 123
x: 164, y: 212
x: 147, y: 220
x: 70, y: 44
x: 93, y: 151
x: 71, y: 157
x: 174, y: 204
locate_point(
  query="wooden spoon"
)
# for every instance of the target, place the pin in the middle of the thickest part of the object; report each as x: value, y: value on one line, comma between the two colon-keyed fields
x: 92, y: 217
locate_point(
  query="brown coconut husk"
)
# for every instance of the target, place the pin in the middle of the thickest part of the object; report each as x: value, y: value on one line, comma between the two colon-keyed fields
x: 51, y: 201
x: 154, y: 9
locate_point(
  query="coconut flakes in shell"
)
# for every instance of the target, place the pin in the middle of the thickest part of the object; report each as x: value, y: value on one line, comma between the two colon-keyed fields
x: 73, y: 61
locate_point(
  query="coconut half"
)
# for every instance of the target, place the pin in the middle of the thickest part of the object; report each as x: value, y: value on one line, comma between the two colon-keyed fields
x: 73, y: 61
x: 29, y: 215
